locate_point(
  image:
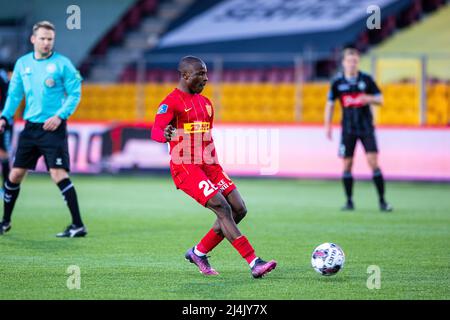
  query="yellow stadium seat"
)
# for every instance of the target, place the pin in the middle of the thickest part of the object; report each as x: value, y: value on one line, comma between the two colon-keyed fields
x: 265, y: 102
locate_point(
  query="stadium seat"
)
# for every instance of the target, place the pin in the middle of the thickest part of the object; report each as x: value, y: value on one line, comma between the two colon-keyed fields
x: 262, y: 102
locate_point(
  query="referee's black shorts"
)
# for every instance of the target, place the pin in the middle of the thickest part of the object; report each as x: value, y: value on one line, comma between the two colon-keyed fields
x: 35, y: 142
x: 348, y: 144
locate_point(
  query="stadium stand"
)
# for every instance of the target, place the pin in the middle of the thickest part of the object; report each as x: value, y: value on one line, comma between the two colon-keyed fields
x: 129, y: 61
x: 96, y: 19
x: 137, y: 31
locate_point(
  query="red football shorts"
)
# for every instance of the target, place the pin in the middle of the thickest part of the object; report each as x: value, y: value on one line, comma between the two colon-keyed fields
x: 201, y: 181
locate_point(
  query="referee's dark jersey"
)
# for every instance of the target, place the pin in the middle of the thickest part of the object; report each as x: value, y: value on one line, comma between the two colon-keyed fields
x: 357, y: 118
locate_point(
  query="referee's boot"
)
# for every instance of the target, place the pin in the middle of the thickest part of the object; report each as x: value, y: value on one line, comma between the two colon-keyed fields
x: 73, y: 231
x: 4, y: 227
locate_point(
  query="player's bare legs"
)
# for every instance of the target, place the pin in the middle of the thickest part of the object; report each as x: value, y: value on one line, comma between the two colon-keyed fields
x: 378, y: 180
x: 239, y: 210
x: 347, y: 180
x: 225, y: 220
x: 215, y: 235
x: 228, y: 229
x: 12, y: 189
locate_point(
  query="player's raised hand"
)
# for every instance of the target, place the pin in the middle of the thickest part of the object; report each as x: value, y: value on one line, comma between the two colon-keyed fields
x: 52, y: 123
x: 169, y: 132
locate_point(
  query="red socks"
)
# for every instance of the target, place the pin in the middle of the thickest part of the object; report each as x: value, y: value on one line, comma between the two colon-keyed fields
x: 241, y: 244
x: 209, y: 242
x: 244, y: 247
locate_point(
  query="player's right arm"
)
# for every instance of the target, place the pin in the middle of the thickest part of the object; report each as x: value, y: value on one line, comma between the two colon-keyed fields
x: 14, y: 97
x: 162, y: 130
x: 329, y: 110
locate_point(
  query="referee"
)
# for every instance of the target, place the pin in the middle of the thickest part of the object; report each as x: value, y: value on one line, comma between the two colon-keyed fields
x: 52, y: 89
x: 356, y: 91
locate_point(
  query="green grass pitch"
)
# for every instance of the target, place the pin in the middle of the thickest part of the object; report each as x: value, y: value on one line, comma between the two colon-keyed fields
x: 140, y: 227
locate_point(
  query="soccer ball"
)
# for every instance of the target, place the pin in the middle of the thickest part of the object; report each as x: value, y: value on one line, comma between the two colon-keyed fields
x: 327, y: 259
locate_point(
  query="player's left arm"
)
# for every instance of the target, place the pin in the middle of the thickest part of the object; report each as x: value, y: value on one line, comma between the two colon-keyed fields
x: 373, y: 94
x: 72, y: 86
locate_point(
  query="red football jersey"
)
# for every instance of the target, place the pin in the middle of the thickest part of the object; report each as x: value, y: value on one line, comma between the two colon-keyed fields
x: 192, y: 115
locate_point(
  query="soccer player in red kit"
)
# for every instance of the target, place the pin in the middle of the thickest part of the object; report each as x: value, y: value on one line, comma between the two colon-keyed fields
x: 185, y: 119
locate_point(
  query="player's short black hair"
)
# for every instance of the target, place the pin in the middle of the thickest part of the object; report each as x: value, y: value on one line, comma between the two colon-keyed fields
x: 188, y: 60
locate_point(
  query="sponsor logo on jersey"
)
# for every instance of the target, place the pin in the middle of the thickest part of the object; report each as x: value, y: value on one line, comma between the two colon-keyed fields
x: 352, y: 100
x: 223, y: 185
x: 194, y: 127
x: 162, y: 109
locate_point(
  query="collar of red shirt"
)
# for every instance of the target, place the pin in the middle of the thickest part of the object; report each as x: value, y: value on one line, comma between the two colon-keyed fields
x: 184, y: 94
